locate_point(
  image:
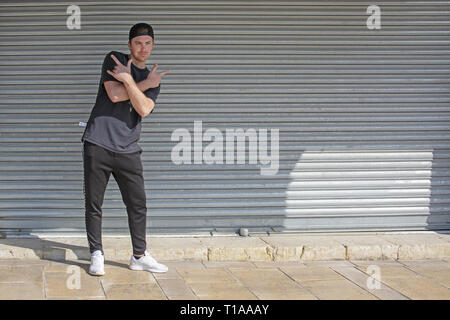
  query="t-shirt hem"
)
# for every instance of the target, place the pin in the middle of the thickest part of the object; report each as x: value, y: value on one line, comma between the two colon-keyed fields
x: 109, y: 148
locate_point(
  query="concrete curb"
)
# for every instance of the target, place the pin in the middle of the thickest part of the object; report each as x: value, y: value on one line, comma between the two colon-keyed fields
x: 278, y: 247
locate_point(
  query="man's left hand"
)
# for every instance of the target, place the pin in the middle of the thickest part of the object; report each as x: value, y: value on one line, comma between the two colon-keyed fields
x: 121, y: 72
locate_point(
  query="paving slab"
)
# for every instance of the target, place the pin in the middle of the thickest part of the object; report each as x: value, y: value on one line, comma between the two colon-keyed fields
x: 221, y: 291
x: 68, y: 266
x: 21, y: 273
x: 428, y: 262
x: 20, y: 281
x: 436, y: 273
x: 135, y: 291
x: 273, y: 264
x: 437, y: 270
x: 363, y: 280
x: 115, y: 274
x: 214, y: 283
x: 311, y: 273
x: 172, y: 272
x: 328, y: 263
x: 367, y: 263
x: 418, y: 288
x: 215, y: 275
x: 72, y: 283
x: 409, y: 283
x: 77, y: 298
x: 23, y: 262
x: 22, y: 291
x: 394, y: 270
x: 185, y: 264
x: 176, y: 289
x: 268, y: 283
x: 337, y: 289
x: 230, y: 264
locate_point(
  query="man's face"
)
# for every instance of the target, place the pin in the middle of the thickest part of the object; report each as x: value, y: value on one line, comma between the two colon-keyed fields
x: 141, y: 47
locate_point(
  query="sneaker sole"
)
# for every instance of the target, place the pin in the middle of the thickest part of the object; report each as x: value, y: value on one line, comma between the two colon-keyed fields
x: 138, y: 268
x: 96, y: 274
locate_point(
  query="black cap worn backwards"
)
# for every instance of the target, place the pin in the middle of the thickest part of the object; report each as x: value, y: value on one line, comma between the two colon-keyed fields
x: 141, y: 29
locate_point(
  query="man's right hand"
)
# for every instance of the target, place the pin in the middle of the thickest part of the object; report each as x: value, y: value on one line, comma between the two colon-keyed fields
x: 154, y: 78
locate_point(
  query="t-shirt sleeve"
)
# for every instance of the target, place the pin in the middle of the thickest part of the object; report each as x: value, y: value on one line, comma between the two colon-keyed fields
x: 153, y: 93
x: 109, y: 64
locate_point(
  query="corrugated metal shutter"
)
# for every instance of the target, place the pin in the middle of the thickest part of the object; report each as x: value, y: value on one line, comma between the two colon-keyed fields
x: 363, y: 115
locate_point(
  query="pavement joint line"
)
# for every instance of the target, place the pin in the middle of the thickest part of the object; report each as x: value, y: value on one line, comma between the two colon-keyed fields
x: 299, y: 284
x: 385, y: 284
x: 254, y: 294
x: 103, y: 289
x: 160, y: 287
x: 248, y: 288
x: 240, y: 282
x: 190, y: 288
x: 365, y: 289
x: 422, y: 275
x: 44, y: 284
x: 44, y: 294
x: 382, y: 282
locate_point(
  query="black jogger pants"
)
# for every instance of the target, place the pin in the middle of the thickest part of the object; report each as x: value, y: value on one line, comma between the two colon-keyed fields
x: 127, y: 170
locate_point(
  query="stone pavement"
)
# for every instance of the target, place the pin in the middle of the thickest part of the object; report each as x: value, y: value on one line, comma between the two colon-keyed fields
x: 196, y: 280
x: 387, y: 266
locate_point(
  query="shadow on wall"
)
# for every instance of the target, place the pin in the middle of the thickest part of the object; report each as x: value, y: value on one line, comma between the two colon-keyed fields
x: 438, y: 218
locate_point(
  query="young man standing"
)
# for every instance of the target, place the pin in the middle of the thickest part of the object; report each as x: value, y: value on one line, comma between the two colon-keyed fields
x: 127, y: 92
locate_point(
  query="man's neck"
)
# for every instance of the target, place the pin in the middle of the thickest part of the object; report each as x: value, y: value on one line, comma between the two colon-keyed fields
x: 140, y: 65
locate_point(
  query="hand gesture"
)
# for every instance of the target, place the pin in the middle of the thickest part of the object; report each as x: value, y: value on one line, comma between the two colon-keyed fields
x: 154, y: 77
x: 121, y: 72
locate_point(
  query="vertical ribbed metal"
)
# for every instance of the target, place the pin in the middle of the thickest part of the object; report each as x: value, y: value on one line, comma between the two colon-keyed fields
x: 363, y: 115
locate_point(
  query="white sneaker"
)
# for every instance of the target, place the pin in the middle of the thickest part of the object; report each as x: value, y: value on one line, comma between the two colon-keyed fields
x: 97, y: 267
x: 148, y: 263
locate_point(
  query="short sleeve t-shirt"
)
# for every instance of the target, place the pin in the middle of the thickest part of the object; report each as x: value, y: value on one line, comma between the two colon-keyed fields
x: 116, y: 126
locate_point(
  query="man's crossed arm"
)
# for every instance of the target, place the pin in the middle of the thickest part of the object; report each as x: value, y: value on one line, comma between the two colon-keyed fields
x: 117, y: 92
x: 130, y: 90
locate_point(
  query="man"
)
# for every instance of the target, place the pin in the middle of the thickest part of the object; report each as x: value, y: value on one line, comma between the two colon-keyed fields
x: 127, y: 92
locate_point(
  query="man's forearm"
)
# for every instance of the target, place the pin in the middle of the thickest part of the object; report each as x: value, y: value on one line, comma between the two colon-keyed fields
x: 120, y: 93
x: 139, y: 101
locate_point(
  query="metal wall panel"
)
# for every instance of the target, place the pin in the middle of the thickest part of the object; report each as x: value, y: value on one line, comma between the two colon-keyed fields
x: 363, y: 115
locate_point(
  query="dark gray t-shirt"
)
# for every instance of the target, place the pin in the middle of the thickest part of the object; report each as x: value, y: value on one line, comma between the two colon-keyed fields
x: 116, y: 126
